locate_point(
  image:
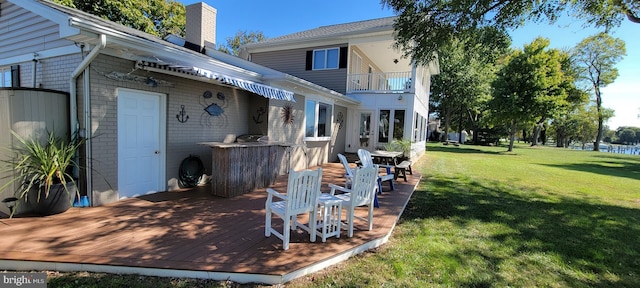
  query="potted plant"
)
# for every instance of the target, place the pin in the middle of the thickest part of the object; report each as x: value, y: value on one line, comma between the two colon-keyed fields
x: 399, y: 145
x: 43, y: 169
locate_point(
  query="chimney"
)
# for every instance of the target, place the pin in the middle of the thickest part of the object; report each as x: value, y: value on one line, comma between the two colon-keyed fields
x: 201, y: 25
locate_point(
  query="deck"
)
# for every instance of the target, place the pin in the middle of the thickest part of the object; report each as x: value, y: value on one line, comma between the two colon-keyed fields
x: 192, y: 234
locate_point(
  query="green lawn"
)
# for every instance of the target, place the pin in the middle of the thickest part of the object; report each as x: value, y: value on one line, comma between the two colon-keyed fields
x: 537, y: 217
x: 481, y: 217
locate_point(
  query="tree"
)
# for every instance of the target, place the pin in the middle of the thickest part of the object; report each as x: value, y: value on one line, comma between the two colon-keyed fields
x: 529, y: 88
x: 627, y: 136
x: 467, y: 68
x: 156, y: 17
x: 587, y: 123
x: 423, y: 26
x: 597, y: 55
x: 241, y: 38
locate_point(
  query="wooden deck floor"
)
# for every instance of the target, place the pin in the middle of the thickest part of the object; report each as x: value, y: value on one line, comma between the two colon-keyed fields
x: 189, y: 234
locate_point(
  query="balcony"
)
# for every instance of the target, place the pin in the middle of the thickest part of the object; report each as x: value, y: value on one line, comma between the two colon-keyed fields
x: 382, y: 82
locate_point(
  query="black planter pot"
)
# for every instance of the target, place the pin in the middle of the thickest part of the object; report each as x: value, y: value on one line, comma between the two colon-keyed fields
x: 59, y: 199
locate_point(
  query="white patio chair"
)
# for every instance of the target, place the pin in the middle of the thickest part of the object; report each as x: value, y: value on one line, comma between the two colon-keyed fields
x: 361, y: 193
x: 303, y: 190
x: 367, y: 161
x: 348, y: 172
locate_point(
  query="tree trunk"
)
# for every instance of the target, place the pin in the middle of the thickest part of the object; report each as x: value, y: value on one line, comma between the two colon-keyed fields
x: 474, y: 126
x: 560, y: 138
x: 596, y: 145
x: 535, y: 135
x: 512, y: 135
x: 536, y: 132
x: 447, y: 123
x: 460, y: 126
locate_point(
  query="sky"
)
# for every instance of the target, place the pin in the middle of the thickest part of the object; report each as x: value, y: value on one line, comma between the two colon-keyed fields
x: 277, y: 18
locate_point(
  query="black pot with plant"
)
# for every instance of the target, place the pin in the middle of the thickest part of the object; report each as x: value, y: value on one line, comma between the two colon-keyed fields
x: 44, y: 171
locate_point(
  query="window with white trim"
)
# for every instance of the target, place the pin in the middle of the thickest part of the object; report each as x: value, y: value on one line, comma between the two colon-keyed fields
x: 5, y: 76
x: 326, y: 58
x: 318, y: 116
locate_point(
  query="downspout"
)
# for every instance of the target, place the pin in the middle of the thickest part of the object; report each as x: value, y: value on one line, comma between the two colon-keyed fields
x: 84, y: 67
x: 33, y: 70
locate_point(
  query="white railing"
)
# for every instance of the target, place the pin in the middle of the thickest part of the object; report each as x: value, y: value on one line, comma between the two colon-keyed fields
x: 380, y: 82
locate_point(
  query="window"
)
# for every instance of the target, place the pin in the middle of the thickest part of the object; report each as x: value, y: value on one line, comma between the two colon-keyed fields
x: 417, y: 134
x: 326, y: 58
x: 391, y: 130
x: 398, y: 125
x: 383, y: 126
x: 318, y: 117
x: 5, y: 77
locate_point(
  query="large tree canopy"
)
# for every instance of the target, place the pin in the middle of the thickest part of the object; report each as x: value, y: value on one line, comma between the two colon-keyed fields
x: 531, y: 87
x: 466, y: 72
x: 156, y: 17
x: 424, y: 25
x: 597, y: 56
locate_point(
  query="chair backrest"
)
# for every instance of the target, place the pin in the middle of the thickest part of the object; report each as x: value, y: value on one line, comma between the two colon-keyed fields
x: 365, y: 158
x: 345, y: 163
x: 303, y: 190
x: 364, y: 185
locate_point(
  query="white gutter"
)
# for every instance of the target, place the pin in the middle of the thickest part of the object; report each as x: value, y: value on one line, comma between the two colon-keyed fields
x: 84, y: 67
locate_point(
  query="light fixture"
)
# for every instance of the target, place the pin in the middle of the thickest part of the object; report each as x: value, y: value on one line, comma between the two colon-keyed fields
x: 11, y: 203
x: 399, y: 97
x: 395, y: 61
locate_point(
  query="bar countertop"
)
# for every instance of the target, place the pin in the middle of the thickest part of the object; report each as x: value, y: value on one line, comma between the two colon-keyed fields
x: 244, y: 144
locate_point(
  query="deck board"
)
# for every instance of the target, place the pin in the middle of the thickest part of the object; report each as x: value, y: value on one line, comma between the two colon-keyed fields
x: 190, y: 230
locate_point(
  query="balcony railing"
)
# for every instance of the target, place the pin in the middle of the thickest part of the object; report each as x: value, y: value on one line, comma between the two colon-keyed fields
x: 379, y: 82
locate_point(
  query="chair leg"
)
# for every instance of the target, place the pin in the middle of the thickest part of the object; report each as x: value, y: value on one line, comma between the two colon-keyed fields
x: 312, y: 225
x: 286, y: 233
x: 267, y: 224
x: 350, y: 213
x: 370, y: 218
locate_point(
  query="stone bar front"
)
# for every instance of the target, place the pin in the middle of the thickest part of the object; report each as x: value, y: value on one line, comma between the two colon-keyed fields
x: 239, y: 168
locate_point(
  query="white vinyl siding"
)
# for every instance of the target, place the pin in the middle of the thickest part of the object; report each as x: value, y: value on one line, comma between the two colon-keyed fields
x: 293, y: 62
x: 23, y: 31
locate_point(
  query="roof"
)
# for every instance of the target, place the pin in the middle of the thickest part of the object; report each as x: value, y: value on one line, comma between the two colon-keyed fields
x: 331, y: 31
x: 359, y: 27
x: 148, y: 47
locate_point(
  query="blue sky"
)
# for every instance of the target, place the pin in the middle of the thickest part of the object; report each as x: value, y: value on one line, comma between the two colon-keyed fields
x: 276, y: 18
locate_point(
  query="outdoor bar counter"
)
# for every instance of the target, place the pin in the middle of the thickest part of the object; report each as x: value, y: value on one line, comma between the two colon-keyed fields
x: 239, y: 168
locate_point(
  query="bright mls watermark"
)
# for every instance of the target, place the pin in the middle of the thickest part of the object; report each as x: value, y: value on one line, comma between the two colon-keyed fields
x: 23, y: 280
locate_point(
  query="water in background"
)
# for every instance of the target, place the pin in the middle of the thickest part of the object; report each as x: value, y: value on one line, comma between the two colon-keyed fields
x: 611, y: 148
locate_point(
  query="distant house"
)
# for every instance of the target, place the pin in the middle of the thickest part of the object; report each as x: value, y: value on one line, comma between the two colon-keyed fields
x: 358, y: 60
x: 130, y: 94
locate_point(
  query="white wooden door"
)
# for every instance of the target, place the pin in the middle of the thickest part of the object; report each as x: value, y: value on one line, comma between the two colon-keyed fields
x: 140, y: 148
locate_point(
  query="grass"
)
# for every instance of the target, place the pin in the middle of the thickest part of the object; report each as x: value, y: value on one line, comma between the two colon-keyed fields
x: 481, y: 217
x: 537, y: 217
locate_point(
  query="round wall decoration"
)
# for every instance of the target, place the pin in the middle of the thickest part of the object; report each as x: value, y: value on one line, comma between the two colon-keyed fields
x: 340, y: 119
x: 207, y: 94
x: 286, y: 113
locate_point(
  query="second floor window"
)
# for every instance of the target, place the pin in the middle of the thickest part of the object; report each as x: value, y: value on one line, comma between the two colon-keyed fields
x: 326, y: 58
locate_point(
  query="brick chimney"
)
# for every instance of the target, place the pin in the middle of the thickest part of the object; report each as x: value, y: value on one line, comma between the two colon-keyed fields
x: 201, y: 25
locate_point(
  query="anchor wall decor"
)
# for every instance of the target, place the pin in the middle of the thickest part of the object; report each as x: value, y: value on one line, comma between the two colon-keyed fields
x: 182, y: 115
